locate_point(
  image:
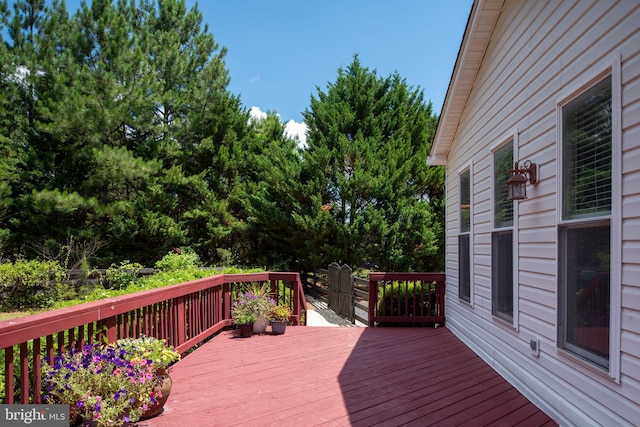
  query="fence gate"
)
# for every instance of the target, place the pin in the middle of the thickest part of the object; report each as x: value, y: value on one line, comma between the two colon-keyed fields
x: 340, y: 298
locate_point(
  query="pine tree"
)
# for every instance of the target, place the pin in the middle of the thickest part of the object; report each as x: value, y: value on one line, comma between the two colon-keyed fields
x: 368, y: 140
x: 128, y: 132
x: 270, y: 196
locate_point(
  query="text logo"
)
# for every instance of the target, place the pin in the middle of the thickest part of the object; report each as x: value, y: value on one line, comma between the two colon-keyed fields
x: 34, y: 415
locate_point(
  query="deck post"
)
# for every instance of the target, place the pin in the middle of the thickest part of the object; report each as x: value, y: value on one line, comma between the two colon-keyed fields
x: 373, y: 300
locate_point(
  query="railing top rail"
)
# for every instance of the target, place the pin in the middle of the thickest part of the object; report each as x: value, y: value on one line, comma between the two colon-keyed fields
x: 53, y: 321
x: 407, y: 276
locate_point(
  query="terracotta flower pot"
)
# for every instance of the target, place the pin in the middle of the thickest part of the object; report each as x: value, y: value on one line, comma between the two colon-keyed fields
x: 163, y: 390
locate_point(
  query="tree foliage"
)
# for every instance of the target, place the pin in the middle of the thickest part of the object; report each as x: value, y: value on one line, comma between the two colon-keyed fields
x: 117, y: 127
x: 118, y: 132
x: 368, y: 140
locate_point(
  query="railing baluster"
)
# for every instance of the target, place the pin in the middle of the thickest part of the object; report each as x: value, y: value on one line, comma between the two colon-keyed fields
x: 71, y: 337
x: 8, y: 375
x: 81, y: 337
x: 49, y: 348
x: 24, y: 373
x: 180, y: 306
x: 36, y: 375
x: 61, y: 346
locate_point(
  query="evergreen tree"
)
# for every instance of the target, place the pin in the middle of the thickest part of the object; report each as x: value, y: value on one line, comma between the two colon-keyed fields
x: 116, y: 126
x: 9, y: 150
x: 128, y: 131
x: 368, y: 140
x: 271, y: 194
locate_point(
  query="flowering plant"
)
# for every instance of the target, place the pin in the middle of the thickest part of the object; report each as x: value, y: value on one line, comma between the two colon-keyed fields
x: 101, y: 384
x: 155, y: 351
x: 280, y: 313
x: 251, y: 304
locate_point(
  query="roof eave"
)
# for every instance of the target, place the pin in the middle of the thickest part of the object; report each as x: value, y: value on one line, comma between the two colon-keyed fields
x: 480, y: 25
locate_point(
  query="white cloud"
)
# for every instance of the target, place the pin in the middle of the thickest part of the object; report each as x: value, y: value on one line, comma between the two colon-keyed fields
x: 294, y: 130
x: 257, y: 114
x: 254, y: 79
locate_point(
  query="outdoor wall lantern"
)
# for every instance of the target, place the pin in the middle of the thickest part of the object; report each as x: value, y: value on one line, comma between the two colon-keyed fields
x: 517, y: 183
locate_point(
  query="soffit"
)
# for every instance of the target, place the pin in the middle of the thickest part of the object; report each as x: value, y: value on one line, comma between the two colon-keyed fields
x: 482, y: 20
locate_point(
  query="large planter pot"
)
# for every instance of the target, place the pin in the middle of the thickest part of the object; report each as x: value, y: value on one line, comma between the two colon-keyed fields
x: 90, y: 422
x: 245, y: 330
x: 278, y: 327
x: 162, y: 394
x: 260, y: 325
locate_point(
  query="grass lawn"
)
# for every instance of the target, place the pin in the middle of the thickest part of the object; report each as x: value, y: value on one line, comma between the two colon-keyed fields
x: 14, y: 314
x: 157, y: 280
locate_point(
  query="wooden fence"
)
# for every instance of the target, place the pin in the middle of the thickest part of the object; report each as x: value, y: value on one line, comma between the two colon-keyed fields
x: 185, y: 315
x: 361, y: 300
x: 340, y: 298
x: 317, y: 283
x: 398, y: 297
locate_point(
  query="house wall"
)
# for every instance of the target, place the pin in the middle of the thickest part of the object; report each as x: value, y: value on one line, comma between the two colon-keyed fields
x: 541, y: 52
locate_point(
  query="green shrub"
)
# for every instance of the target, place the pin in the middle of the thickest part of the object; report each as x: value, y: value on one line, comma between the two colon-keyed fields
x: 123, y: 275
x: 30, y: 284
x: 180, y: 259
x: 407, y: 299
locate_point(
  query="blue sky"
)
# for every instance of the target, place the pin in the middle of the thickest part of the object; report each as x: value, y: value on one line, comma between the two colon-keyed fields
x: 279, y: 51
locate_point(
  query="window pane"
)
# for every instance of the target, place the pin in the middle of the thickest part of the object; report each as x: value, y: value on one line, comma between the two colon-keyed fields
x: 464, y: 270
x: 502, y: 164
x: 465, y: 201
x: 502, y: 274
x: 586, y: 275
x: 586, y: 126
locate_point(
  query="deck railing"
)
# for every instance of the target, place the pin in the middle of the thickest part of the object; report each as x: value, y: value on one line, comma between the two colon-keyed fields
x: 185, y: 315
x: 406, y: 298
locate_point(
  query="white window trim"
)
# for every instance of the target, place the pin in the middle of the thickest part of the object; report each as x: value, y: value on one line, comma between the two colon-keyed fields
x: 516, y: 242
x: 613, y: 69
x: 513, y: 136
x: 463, y: 169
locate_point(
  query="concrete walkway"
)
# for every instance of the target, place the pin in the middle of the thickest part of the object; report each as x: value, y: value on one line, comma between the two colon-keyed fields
x: 319, y: 314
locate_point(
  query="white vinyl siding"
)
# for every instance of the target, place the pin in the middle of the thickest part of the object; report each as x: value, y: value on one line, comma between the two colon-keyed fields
x: 540, y: 54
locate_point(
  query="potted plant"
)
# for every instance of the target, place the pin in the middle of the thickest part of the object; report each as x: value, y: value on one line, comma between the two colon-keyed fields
x: 257, y: 298
x: 279, y: 316
x: 244, y: 314
x: 161, y: 356
x: 101, y: 386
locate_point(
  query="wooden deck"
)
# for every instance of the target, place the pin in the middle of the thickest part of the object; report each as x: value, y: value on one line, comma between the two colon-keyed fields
x: 342, y: 376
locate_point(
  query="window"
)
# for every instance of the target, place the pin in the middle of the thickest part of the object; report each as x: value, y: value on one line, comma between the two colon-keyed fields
x: 585, y: 229
x: 502, y: 237
x: 464, y: 250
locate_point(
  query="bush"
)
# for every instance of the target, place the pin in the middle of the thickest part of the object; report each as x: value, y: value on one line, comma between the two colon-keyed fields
x: 120, y: 276
x: 407, y: 299
x: 30, y: 284
x: 180, y: 259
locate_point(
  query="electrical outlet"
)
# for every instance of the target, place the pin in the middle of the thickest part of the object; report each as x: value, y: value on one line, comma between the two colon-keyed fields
x: 534, y: 343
